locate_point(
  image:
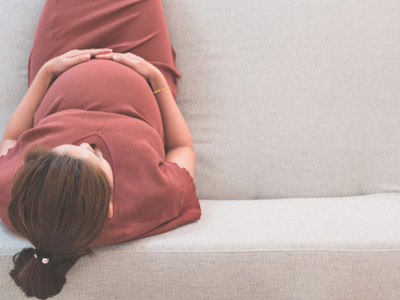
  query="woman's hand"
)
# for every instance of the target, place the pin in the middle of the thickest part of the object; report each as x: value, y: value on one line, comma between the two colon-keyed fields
x: 56, y: 66
x: 143, y: 67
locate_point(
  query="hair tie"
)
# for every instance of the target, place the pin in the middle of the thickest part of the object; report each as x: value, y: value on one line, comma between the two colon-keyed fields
x: 43, y: 258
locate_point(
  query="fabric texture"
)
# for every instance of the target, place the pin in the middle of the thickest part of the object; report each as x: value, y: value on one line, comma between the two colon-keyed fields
x: 290, y: 100
x: 323, y: 248
x: 108, y: 104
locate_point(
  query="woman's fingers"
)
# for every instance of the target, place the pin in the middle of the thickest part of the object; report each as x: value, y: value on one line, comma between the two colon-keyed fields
x: 119, y: 57
x: 106, y: 56
x: 122, y: 55
x: 59, y: 64
x: 133, y: 61
x: 92, y: 52
x: 77, y: 59
x: 125, y: 58
x: 112, y: 55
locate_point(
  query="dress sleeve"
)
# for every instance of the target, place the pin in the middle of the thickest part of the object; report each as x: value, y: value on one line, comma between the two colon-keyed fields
x: 190, y: 210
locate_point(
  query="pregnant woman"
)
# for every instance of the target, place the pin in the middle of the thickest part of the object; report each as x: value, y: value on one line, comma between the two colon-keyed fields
x: 97, y: 152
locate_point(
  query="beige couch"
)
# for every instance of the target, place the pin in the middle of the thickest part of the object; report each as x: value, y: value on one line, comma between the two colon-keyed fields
x: 294, y: 109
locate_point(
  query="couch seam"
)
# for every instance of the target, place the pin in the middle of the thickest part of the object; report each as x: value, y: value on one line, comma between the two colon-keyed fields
x: 274, y: 250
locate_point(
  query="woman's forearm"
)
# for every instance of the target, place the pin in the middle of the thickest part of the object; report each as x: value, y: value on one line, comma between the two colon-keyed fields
x: 176, y: 131
x: 22, y: 119
x: 179, y: 145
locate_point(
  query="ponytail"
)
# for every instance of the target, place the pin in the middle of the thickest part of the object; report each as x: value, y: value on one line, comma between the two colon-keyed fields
x: 76, y: 196
x: 39, y: 280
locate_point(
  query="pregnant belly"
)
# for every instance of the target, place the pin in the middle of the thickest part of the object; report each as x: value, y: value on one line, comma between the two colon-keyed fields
x: 101, y: 85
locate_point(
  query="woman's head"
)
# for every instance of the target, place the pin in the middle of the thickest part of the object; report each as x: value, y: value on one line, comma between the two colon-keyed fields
x: 60, y: 203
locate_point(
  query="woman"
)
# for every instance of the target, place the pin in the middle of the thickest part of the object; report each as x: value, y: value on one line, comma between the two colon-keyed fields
x: 97, y: 152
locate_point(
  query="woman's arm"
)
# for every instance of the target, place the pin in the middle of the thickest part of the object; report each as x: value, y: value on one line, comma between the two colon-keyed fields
x: 179, y: 145
x: 22, y: 119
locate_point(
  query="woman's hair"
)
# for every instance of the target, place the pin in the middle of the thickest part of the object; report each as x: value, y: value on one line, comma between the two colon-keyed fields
x: 60, y: 204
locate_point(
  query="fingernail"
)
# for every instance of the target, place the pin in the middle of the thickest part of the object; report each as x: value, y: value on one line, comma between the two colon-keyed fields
x: 116, y: 57
x: 87, y: 56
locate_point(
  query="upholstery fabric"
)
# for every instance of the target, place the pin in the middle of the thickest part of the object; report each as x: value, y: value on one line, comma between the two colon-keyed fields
x: 290, y: 98
x: 322, y: 248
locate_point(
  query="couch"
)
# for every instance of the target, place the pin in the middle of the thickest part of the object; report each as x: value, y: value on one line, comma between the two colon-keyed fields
x: 294, y: 111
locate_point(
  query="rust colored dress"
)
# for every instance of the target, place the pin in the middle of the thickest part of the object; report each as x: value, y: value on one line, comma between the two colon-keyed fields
x: 108, y: 104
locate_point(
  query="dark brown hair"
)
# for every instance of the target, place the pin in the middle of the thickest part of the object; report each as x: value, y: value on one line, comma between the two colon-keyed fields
x: 60, y: 204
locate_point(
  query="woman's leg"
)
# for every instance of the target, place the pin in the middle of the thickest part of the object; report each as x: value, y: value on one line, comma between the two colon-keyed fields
x: 136, y: 26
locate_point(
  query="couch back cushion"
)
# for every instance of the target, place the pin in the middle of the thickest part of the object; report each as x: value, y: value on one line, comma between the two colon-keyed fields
x: 283, y: 99
x: 290, y: 98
